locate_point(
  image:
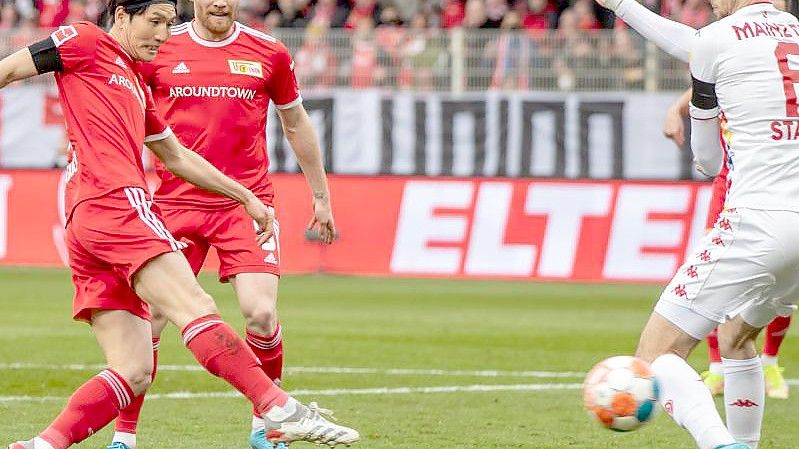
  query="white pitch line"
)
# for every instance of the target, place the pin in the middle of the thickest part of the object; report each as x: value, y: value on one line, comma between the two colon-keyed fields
x: 334, y: 392
x: 322, y: 370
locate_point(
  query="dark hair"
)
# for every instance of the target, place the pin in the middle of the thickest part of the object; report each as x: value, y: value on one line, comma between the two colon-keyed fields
x: 132, y: 7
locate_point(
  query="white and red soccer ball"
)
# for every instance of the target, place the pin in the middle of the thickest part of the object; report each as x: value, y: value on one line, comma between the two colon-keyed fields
x: 621, y: 393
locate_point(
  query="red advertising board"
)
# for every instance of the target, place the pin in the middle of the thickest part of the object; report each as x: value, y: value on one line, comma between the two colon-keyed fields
x: 502, y: 228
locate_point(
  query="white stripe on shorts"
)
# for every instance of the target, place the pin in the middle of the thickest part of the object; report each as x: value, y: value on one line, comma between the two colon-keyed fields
x: 138, y: 200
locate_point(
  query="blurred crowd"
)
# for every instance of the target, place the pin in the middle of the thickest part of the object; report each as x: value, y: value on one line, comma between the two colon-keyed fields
x: 506, y: 44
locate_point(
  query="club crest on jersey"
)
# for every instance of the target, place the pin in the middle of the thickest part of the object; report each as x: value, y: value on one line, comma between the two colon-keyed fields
x: 249, y: 68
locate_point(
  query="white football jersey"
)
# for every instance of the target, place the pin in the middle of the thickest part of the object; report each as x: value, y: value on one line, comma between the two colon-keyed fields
x: 752, y: 58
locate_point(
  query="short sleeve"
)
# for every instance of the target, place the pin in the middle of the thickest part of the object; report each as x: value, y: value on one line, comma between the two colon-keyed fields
x: 76, y: 45
x: 282, y: 85
x: 155, y: 127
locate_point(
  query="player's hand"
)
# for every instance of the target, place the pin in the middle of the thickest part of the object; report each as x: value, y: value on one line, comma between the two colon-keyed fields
x: 263, y: 217
x: 674, y: 127
x: 323, y: 216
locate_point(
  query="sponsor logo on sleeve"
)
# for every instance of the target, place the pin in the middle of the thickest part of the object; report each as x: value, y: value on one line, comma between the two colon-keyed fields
x: 249, y: 68
x: 63, y: 34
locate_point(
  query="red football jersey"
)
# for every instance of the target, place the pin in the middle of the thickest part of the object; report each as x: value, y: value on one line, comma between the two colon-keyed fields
x: 108, y: 111
x: 215, y: 97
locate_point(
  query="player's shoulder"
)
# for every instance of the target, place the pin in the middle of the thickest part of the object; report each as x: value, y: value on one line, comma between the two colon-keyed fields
x: 260, y: 38
x: 80, y: 30
x: 179, y: 30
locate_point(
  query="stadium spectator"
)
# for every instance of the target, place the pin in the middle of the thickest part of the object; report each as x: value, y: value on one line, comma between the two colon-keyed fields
x: 315, y: 61
x: 52, y: 12
x: 584, y: 12
x: 422, y: 56
x: 9, y: 17
x: 453, y: 13
x: 330, y: 12
x: 540, y: 15
x: 511, y: 52
x: 695, y: 13
x: 362, y: 9
x: 495, y: 11
x: 364, y: 69
x: 628, y: 56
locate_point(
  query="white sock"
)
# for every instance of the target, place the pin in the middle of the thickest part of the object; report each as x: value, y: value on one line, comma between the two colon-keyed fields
x: 257, y: 423
x: 129, y: 439
x: 744, y: 399
x: 39, y: 443
x: 688, y: 401
x: 716, y: 368
x: 768, y: 360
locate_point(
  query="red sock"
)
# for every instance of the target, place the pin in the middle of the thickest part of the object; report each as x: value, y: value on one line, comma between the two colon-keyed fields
x: 775, y: 333
x: 217, y: 347
x: 129, y: 416
x: 269, y: 351
x: 713, y: 347
x: 90, y: 408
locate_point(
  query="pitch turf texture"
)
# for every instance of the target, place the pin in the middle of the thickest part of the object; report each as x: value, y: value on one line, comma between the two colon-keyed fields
x: 538, y: 338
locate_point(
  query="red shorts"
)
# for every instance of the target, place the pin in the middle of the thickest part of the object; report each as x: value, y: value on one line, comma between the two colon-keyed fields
x: 717, y: 200
x: 232, y: 232
x: 109, y: 239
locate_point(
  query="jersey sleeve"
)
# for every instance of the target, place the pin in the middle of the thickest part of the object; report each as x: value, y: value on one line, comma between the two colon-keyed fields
x: 155, y: 127
x: 282, y: 86
x: 704, y: 71
x: 76, y: 45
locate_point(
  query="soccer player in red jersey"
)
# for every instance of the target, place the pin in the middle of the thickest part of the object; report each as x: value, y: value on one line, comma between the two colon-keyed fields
x: 776, y: 387
x: 121, y: 255
x: 212, y: 82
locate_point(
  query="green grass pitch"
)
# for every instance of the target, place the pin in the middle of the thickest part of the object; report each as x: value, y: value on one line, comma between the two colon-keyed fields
x: 397, y: 331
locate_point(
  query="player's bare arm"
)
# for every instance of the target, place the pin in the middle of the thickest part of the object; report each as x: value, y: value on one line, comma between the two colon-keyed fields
x: 302, y: 137
x: 17, y: 67
x: 193, y: 168
x: 674, y: 122
x: 672, y: 37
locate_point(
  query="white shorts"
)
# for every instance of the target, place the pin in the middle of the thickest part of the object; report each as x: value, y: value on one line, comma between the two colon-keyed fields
x: 747, y: 265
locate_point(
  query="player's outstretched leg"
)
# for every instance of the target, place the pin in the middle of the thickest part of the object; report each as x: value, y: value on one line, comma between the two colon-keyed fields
x: 744, y: 389
x: 776, y: 387
x: 257, y: 296
x: 714, y: 376
x: 168, y: 283
x: 682, y: 393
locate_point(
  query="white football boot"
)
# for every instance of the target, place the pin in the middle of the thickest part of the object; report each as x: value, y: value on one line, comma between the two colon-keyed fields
x: 296, y: 422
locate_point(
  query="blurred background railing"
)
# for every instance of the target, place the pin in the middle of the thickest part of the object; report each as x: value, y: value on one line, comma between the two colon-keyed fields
x: 460, y: 60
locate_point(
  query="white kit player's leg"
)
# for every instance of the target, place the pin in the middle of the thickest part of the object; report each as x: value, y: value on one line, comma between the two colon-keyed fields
x: 744, y: 387
x: 682, y: 393
x: 685, y: 397
x: 744, y: 397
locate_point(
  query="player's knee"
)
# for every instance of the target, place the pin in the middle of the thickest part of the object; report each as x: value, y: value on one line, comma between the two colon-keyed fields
x: 202, y: 303
x: 261, y: 319
x: 139, y: 377
x: 736, y: 343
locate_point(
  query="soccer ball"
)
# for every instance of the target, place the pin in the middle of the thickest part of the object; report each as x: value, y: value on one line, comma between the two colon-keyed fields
x: 621, y: 393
